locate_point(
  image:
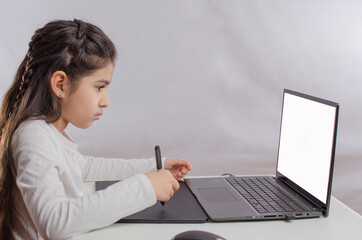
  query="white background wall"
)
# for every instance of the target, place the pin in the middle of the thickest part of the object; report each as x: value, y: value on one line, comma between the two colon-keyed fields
x: 204, y: 79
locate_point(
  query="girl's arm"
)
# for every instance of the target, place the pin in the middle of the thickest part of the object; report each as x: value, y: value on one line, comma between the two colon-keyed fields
x: 108, y: 169
x: 50, y: 185
x: 57, y: 216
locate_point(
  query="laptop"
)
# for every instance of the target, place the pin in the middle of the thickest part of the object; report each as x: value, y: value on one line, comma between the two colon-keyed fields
x: 301, y: 187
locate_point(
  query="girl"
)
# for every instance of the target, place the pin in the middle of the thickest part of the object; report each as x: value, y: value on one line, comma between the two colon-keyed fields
x: 63, y: 79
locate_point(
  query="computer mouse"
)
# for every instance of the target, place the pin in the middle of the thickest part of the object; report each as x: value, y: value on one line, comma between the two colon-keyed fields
x: 197, y: 235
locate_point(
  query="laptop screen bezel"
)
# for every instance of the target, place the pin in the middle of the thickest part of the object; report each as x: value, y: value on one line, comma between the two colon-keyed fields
x: 324, y: 207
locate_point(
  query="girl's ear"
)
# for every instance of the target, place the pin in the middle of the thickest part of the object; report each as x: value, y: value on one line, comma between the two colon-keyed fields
x: 58, y: 82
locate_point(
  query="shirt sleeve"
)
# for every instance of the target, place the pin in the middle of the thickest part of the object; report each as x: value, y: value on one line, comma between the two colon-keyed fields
x: 53, y: 212
x: 109, y: 169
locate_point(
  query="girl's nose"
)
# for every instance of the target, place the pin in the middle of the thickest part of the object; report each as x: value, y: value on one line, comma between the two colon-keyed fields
x: 104, y: 100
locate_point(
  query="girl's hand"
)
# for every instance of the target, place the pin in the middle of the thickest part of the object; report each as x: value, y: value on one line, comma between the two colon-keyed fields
x: 164, y: 184
x: 178, y: 167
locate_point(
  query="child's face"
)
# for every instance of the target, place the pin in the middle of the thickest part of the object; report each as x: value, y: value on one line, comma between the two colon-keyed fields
x: 86, y: 103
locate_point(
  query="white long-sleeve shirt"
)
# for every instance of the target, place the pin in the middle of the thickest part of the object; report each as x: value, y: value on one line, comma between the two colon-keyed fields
x: 50, y: 201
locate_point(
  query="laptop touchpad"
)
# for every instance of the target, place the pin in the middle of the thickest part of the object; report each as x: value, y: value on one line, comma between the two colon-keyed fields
x: 216, y: 195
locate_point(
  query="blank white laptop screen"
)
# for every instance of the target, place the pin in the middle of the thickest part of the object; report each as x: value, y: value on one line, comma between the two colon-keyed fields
x: 306, y: 143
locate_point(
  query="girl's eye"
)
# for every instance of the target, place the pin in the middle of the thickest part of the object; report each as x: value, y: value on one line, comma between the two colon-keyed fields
x: 100, y: 88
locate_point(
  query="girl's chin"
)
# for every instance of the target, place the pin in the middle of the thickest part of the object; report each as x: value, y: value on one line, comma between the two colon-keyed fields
x: 83, y: 125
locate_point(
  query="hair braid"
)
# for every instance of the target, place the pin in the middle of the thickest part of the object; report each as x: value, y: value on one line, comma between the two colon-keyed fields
x: 81, y: 29
x: 25, y: 78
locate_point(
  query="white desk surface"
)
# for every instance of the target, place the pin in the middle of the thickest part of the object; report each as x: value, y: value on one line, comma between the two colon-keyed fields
x: 342, y: 223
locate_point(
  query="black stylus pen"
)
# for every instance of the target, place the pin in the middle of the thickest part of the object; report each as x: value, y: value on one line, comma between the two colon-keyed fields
x: 158, y: 162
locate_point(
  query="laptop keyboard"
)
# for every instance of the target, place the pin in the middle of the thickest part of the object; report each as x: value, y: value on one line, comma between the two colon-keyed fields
x: 263, y: 194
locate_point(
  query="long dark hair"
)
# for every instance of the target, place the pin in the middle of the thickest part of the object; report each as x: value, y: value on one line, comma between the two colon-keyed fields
x: 75, y: 47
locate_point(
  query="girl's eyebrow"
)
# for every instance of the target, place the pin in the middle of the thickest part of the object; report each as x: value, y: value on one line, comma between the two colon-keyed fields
x: 104, y: 81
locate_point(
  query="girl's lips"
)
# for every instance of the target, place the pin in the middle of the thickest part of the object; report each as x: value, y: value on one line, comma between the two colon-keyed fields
x: 98, y: 116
